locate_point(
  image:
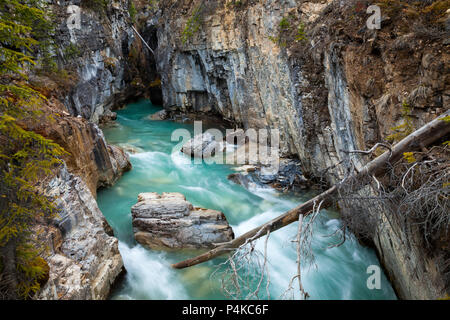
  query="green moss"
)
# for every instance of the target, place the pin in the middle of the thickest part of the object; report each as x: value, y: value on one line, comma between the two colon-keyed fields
x: 301, y: 34
x: 284, y: 24
x: 132, y: 11
x: 193, y: 25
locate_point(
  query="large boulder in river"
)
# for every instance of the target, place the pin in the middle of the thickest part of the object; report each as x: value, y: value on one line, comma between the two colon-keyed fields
x: 168, y: 221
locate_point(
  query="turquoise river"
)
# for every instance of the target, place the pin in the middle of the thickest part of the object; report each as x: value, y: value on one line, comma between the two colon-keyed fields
x: 337, y: 272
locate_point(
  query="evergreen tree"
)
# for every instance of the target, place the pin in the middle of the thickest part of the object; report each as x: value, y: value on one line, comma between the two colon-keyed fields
x: 25, y: 156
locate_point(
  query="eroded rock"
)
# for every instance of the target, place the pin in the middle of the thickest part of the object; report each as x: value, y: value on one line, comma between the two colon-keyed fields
x: 202, y: 146
x: 169, y: 221
x: 160, y: 115
x: 81, y: 252
x: 288, y: 176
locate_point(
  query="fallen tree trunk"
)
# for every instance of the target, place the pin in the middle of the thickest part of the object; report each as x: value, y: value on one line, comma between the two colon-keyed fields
x: 422, y: 137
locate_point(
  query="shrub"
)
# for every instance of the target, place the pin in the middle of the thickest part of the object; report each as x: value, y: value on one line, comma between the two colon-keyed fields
x: 284, y: 24
x: 71, y: 51
x: 301, y: 34
x: 132, y: 11
x: 193, y: 25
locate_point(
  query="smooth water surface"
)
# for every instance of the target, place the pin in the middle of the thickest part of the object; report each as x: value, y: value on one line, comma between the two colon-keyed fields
x: 338, y: 273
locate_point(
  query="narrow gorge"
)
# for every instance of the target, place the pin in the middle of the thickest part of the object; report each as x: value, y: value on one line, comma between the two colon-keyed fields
x: 125, y: 75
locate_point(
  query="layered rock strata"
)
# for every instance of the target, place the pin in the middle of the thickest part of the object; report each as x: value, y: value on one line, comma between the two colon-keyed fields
x: 168, y: 221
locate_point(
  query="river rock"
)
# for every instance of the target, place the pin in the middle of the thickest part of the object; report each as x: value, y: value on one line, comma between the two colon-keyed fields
x: 202, y: 146
x: 169, y: 221
x: 288, y: 176
x: 160, y: 115
x: 108, y: 116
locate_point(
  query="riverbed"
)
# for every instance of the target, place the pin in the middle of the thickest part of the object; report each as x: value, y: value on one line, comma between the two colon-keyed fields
x: 337, y: 272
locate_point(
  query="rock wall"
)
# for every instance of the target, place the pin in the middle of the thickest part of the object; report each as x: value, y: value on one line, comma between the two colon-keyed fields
x: 100, y: 58
x: 231, y: 67
x: 338, y: 87
x: 90, y: 157
x: 82, y: 253
x: 95, y: 74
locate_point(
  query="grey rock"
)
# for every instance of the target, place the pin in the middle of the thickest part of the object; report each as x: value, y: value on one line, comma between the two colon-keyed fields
x: 168, y: 221
x: 288, y: 177
x: 85, y: 261
x: 160, y: 115
x: 203, y: 145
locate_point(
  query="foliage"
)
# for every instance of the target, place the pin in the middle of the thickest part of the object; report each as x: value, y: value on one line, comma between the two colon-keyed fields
x: 155, y: 83
x: 406, y: 128
x: 284, y: 24
x: 287, y: 33
x: 25, y: 156
x: 132, y: 11
x: 301, y: 33
x: 446, y: 119
x: 193, y: 25
x: 71, y: 51
x: 409, y: 157
x: 28, y: 17
x: 153, y: 4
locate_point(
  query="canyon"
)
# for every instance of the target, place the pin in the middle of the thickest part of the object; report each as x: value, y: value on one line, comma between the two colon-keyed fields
x: 340, y: 87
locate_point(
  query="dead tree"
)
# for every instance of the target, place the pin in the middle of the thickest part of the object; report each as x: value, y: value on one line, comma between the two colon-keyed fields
x: 420, y: 138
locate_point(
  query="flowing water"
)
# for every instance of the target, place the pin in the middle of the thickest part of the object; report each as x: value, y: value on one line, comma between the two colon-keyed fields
x: 338, y: 272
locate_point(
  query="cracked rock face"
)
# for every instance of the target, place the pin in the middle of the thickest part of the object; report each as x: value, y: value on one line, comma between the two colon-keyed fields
x: 168, y: 221
x: 103, y: 40
x: 91, y: 157
x: 84, y: 259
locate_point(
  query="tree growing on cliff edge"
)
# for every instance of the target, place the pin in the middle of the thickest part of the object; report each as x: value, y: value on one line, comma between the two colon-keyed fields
x: 24, y: 155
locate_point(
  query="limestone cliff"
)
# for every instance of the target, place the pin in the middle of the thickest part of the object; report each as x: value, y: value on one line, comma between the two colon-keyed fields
x: 100, y: 59
x: 313, y: 70
x: 81, y: 251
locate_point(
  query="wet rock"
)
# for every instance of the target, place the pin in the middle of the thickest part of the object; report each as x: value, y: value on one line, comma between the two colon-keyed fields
x: 107, y: 117
x: 90, y: 157
x: 120, y: 162
x: 168, y: 221
x: 160, y: 115
x: 202, y: 146
x: 288, y: 177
